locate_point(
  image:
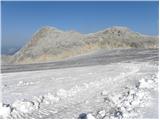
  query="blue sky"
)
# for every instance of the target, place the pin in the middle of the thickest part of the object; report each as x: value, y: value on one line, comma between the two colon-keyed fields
x: 21, y: 19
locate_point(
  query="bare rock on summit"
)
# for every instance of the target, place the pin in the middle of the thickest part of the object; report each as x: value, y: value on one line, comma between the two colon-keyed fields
x: 50, y: 44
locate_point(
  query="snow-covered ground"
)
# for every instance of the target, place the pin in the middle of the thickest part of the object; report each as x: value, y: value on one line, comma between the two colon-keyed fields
x: 119, y: 90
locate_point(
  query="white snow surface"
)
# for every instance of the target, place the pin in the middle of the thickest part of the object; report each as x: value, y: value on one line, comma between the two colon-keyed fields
x: 120, y: 90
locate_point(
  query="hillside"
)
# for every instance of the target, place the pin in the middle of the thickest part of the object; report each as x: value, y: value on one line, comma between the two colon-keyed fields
x: 50, y: 44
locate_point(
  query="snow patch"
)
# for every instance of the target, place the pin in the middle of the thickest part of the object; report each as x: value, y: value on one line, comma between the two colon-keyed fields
x: 5, y: 111
x: 50, y: 99
x: 90, y: 116
x: 62, y: 93
x: 147, y: 83
x: 22, y: 83
x: 23, y: 106
x: 101, y: 114
x: 124, y: 103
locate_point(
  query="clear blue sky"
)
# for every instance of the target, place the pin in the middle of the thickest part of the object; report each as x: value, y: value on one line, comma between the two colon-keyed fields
x: 21, y: 19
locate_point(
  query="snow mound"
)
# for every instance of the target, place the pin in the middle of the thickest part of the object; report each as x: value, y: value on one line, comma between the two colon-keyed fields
x: 23, y: 106
x: 123, y: 104
x: 5, y: 111
x: 38, y: 99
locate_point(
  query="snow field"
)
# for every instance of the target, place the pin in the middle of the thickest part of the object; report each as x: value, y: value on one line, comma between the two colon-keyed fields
x: 117, y: 104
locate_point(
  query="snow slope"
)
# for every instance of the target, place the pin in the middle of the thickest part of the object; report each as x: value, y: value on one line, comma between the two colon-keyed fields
x: 119, y: 90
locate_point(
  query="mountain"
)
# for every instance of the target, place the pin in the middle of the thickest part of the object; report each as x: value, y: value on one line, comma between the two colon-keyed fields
x: 51, y: 44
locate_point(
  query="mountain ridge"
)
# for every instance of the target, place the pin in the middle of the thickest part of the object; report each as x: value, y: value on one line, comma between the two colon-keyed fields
x: 52, y: 44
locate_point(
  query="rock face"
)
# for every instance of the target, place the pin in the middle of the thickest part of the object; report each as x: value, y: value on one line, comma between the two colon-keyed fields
x: 51, y: 44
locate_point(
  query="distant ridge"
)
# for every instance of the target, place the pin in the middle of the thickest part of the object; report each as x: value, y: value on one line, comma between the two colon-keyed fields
x: 51, y: 44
